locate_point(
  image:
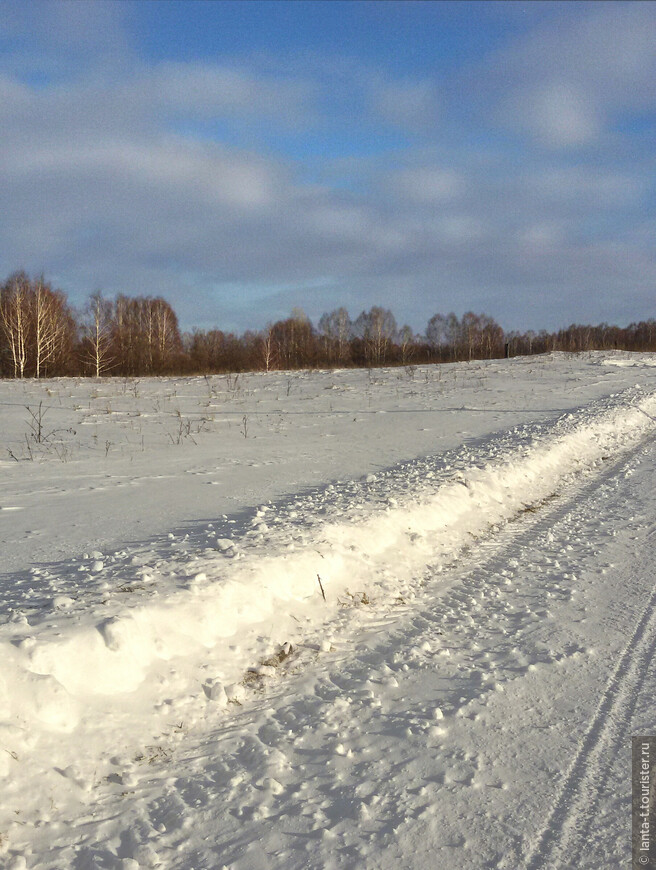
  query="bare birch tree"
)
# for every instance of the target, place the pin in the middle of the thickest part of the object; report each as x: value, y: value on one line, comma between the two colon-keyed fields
x: 268, y: 352
x: 336, y: 326
x: 51, y: 326
x: 14, y: 320
x: 377, y: 328
x: 97, y: 331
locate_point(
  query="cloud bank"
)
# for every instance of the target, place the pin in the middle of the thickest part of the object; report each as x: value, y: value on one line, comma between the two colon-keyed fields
x: 521, y: 184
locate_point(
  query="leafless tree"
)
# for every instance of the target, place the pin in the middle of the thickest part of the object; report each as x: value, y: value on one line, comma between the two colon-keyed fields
x: 294, y: 341
x: 377, y: 329
x: 140, y: 336
x: 37, y: 326
x: 268, y: 351
x: 145, y: 336
x: 444, y: 335
x: 97, y: 334
x: 14, y: 319
x: 336, y: 327
x: 407, y: 342
x: 51, y: 326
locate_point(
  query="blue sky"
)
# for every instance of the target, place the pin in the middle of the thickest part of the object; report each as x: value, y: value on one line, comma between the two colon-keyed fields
x: 244, y: 158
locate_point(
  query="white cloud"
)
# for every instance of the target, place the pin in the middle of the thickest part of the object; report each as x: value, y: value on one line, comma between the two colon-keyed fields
x: 462, y: 229
x: 561, y: 116
x: 428, y: 184
x: 569, y: 81
x: 409, y: 104
x: 206, y: 90
x: 542, y: 238
x: 588, y: 188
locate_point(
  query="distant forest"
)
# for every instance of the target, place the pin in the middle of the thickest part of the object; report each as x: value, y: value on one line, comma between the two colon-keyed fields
x: 41, y: 335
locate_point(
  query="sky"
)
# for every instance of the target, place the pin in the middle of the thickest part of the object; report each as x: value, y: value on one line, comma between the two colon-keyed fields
x: 241, y: 159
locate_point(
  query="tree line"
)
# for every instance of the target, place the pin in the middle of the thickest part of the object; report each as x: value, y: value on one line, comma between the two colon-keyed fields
x: 41, y: 335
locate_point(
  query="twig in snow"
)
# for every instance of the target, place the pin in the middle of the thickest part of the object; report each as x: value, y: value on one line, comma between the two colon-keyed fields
x: 321, y: 587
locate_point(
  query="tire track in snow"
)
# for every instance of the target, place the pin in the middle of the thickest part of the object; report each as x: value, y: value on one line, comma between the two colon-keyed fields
x: 568, y: 823
x: 347, y: 677
x: 570, y: 819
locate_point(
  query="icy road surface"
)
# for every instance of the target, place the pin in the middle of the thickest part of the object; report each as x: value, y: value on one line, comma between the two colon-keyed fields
x: 423, y: 642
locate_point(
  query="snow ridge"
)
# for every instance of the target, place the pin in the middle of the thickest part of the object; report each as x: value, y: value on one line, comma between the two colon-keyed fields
x: 239, y: 596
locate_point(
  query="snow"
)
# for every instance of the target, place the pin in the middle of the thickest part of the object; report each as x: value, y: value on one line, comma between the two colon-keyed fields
x: 399, y: 617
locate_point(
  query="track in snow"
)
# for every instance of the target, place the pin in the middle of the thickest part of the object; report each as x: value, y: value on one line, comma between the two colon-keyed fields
x: 568, y: 825
x: 324, y: 792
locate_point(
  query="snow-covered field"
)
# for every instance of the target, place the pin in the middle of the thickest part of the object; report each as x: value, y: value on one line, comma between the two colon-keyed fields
x: 399, y: 618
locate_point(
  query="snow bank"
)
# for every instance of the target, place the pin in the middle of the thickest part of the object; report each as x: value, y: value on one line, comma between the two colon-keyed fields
x: 630, y: 363
x: 245, y: 592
